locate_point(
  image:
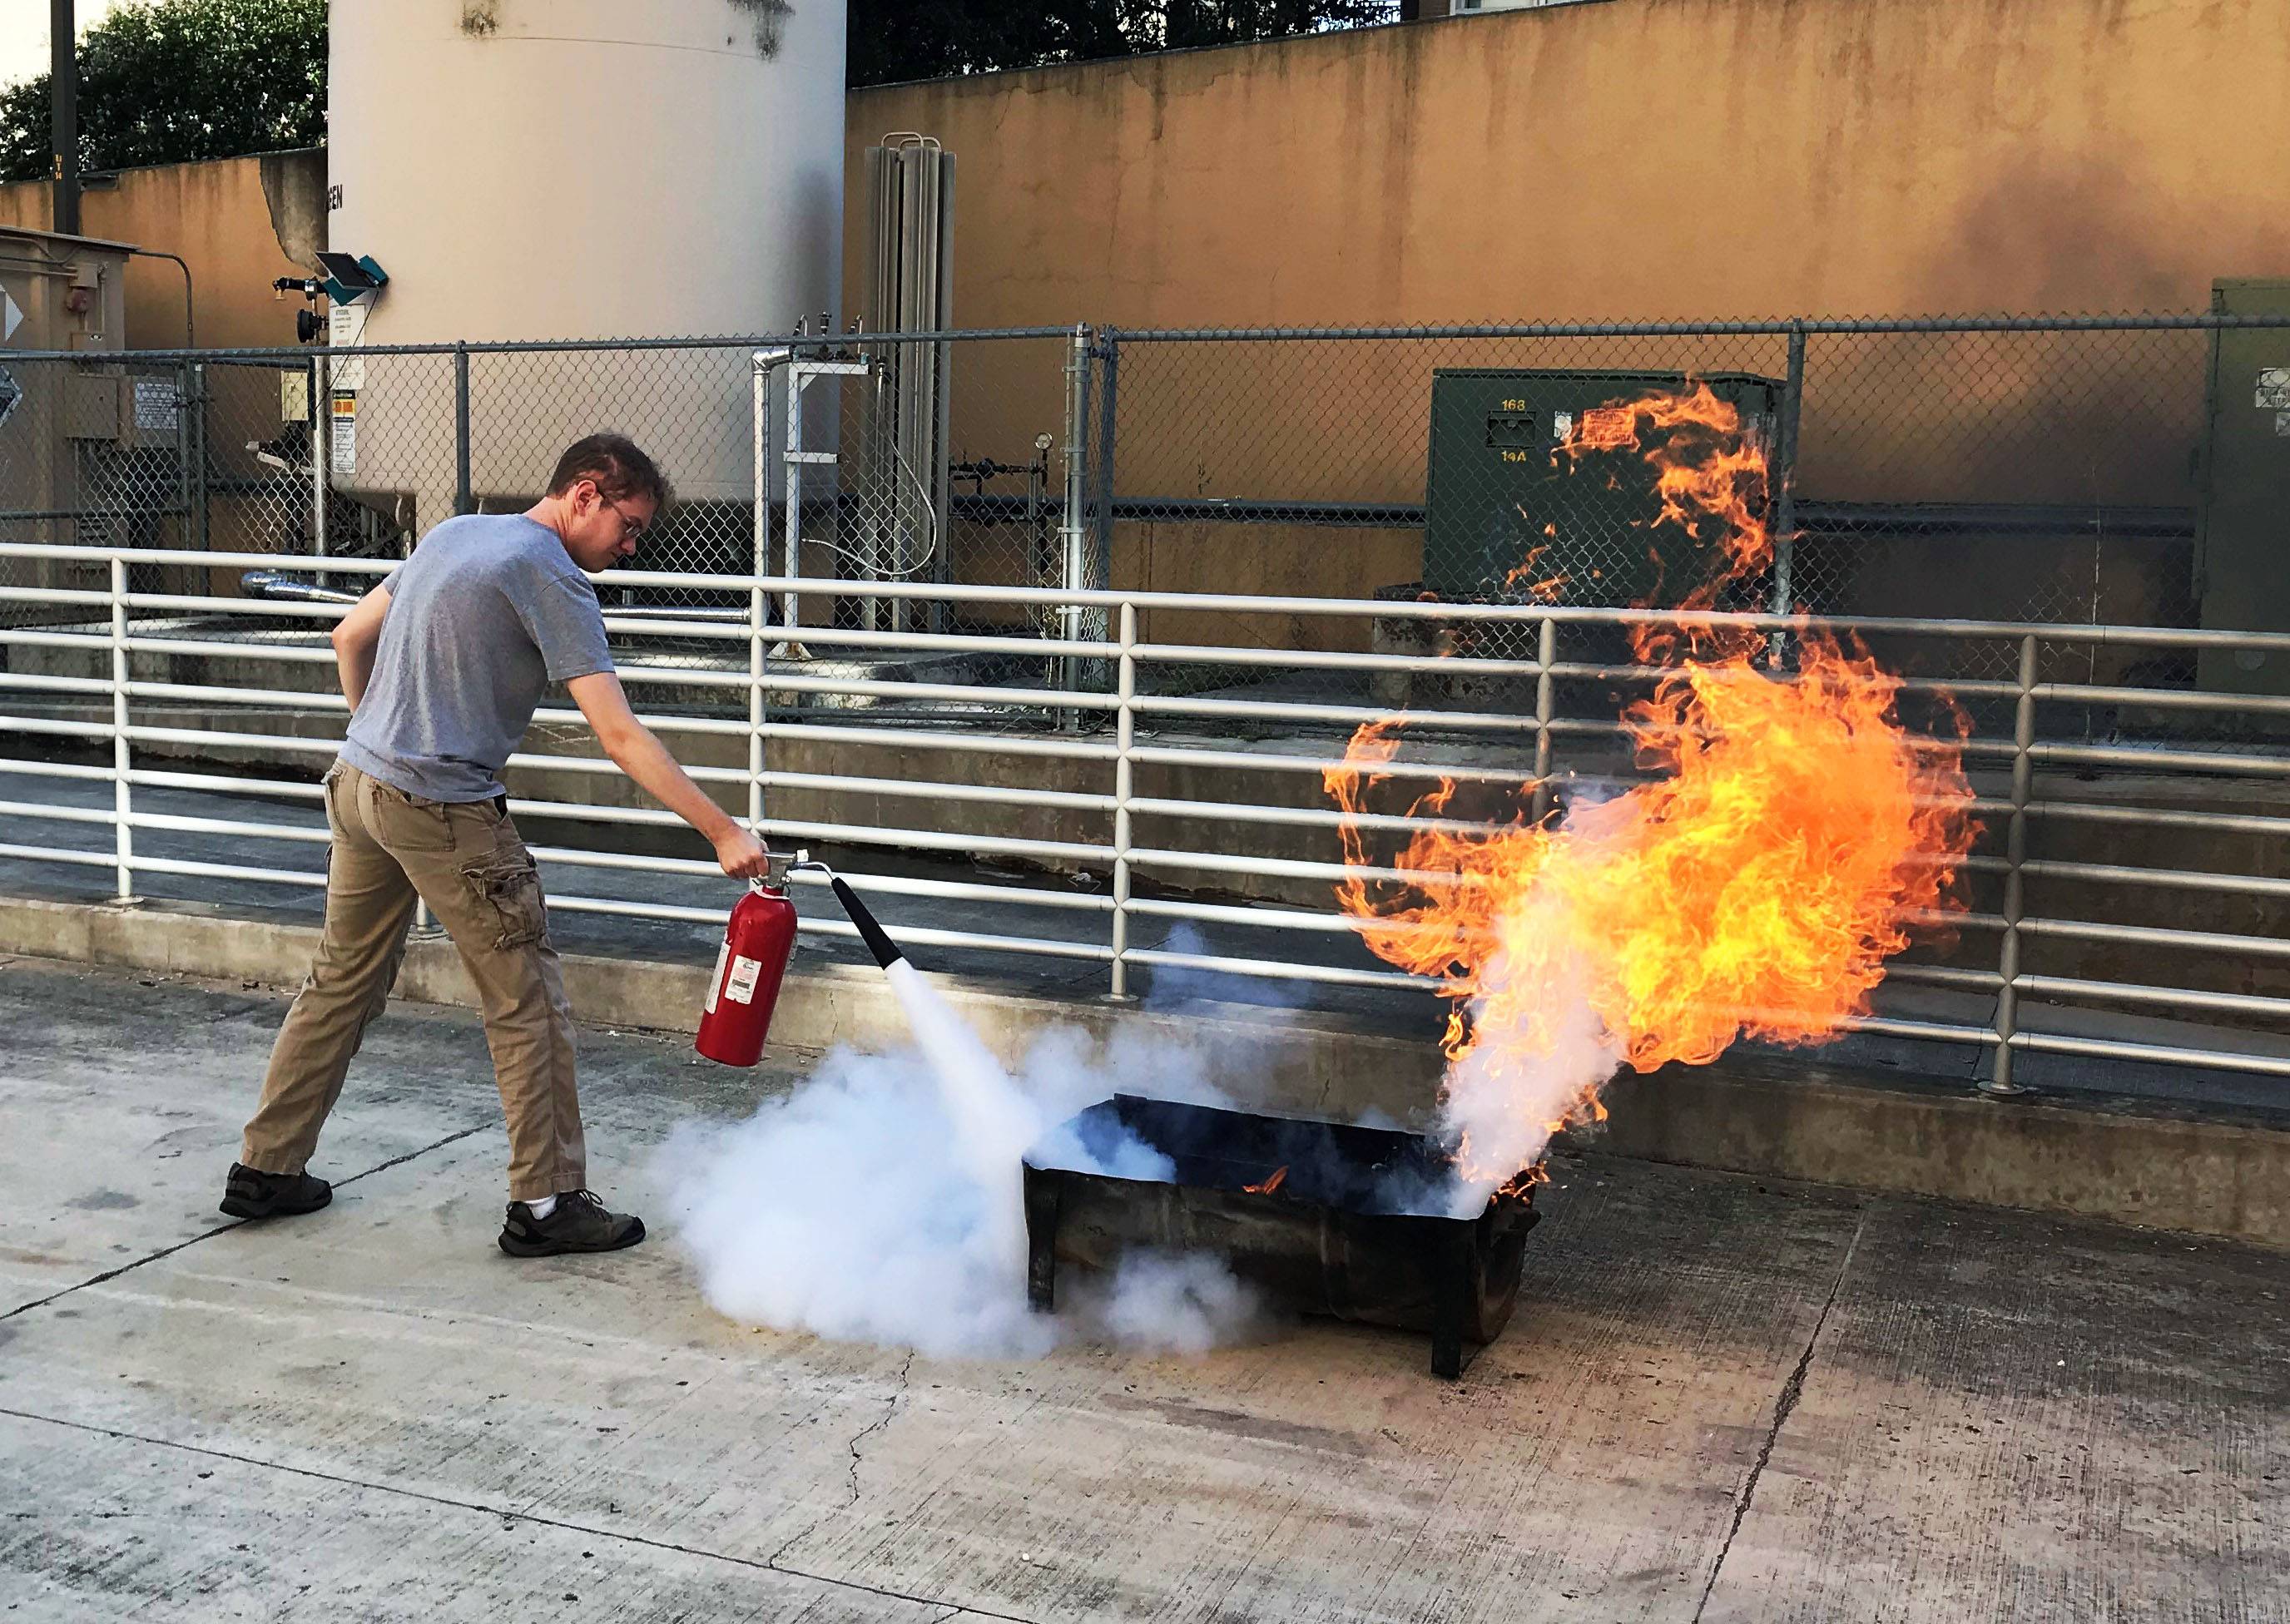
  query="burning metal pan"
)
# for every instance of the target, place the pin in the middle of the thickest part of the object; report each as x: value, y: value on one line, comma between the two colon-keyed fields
x: 1325, y: 1218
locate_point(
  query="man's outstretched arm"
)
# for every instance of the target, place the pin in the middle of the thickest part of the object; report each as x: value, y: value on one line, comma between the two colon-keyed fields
x: 637, y: 752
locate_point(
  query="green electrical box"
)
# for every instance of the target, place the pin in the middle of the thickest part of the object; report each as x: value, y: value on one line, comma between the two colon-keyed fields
x: 1498, y: 488
x: 2242, y: 515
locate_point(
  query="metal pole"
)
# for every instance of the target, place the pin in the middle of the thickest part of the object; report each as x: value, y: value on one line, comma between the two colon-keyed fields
x: 63, y: 104
x: 322, y: 429
x: 1124, y: 786
x: 2015, y: 853
x: 191, y: 418
x: 122, y: 795
x: 1784, y: 474
x: 791, y: 557
x: 1069, y: 527
x: 764, y: 363
x: 1546, y: 655
x: 464, y: 499
x: 187, y: 477
x: 760, y: 563
x: 1101, y: 561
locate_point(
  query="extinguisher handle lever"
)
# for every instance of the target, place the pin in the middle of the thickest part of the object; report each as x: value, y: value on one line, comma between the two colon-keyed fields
x: 778, y: 869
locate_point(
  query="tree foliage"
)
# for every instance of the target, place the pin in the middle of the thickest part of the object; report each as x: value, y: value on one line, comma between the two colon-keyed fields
x: 186, y: 79
x: 895, y: 40
x: 179, y: 80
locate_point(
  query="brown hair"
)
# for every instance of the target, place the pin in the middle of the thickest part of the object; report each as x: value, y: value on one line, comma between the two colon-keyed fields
x: 616, y: 463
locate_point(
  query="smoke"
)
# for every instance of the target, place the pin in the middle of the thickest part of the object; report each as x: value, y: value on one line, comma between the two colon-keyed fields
x: 882, y: 1201
x: 1185, y: 986
x: 1540, y: 1049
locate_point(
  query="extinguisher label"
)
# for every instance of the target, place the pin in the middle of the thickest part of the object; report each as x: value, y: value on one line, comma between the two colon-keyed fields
x: 740, y: 985
x: 715, y: 981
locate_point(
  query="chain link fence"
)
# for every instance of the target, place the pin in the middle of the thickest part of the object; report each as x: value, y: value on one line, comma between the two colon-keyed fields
x: 2029, y: 474
x: 2002, y: 470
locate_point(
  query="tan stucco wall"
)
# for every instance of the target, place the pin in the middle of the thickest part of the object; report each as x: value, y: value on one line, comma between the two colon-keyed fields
x: 1634, y: 159
x: 1630, y: 160
x: 214, y: 215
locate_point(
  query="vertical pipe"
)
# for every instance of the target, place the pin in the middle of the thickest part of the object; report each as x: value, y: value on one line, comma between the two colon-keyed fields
x: 122, y: 795
x: 1546, y: 655
x: 942, y: 440
x: 1123, y: 786
x: 2015, y: 854
x: 874, y: 515
x: 63, y: 112
x: 791, y: 553
x: 918, y: 387
x: 759, y: 389
x: 322, y: 429
x: 1784, y: 474
x: 464, y: 499
x: 759, y: 563
x: 1069, y: 526
x: 1101, y: 559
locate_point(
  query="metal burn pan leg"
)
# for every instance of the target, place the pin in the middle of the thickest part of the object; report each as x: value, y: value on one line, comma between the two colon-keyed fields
x: 1451, y: 1292
x: 1041, y: 1212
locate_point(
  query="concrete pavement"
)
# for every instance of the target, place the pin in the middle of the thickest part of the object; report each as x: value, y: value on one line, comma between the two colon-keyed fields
x: 1718, y: 1399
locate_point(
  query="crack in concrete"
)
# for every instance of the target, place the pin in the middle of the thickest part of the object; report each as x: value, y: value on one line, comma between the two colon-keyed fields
x: 906, y: 1371
x: 236, y: 1223
x: 1785, y: 1406
x: 587, y: 1530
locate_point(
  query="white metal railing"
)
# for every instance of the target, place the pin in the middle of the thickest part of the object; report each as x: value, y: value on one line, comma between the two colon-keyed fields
x: 114, y: 697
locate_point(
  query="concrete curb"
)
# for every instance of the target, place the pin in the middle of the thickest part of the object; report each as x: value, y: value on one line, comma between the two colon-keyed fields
x: 2130, y: 1161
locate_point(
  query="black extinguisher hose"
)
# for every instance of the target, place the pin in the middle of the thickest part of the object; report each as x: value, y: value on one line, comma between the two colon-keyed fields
x: 878, y: 942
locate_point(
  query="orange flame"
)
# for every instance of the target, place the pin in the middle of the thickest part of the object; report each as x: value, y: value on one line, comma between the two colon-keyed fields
x: 1279, y: 1179
x: 1711, y: 478
x: 1546, y: 591
x: 1754, y: 886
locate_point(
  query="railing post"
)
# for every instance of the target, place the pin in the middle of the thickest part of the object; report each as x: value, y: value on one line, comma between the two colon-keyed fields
x: 1784, y: 476
x: 1546, y: 655
x: 2015, y: 853
x: 322, y: 429
x: 1124, y: 787
x: 464, y: 497
x: 760, y: 567
x: 122, y: 792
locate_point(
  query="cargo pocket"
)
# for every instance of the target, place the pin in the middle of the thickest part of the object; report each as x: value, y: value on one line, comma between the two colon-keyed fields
x: 507, y: 887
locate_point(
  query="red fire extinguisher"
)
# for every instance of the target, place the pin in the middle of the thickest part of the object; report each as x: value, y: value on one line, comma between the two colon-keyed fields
x: 757, y: 939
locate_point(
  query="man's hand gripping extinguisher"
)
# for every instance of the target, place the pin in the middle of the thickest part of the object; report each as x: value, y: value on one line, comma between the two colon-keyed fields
x: 757, y: 939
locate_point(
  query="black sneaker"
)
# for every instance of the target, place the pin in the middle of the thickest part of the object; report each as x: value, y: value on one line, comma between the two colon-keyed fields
x: 580, y: 1223
x: 249, y: 1194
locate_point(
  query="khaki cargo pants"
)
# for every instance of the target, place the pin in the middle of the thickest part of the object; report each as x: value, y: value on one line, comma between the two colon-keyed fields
x: 465, y: 860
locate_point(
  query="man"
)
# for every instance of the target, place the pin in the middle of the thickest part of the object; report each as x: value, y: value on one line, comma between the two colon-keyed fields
x: 443, y: 664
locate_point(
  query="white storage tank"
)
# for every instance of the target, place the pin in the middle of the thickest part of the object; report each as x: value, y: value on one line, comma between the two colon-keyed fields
x: 577, y: 169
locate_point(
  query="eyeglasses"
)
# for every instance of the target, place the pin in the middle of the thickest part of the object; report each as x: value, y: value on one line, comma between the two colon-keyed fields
x: 633, y: 529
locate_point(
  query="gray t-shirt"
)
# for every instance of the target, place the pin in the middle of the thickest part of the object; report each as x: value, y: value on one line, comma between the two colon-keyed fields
x: 489, y: 610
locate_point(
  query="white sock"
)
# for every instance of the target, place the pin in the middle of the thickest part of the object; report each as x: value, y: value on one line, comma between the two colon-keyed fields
x: 541, y: 1208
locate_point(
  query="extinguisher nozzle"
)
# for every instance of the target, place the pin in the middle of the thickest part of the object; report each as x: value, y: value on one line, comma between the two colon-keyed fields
x: 878, y: 942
